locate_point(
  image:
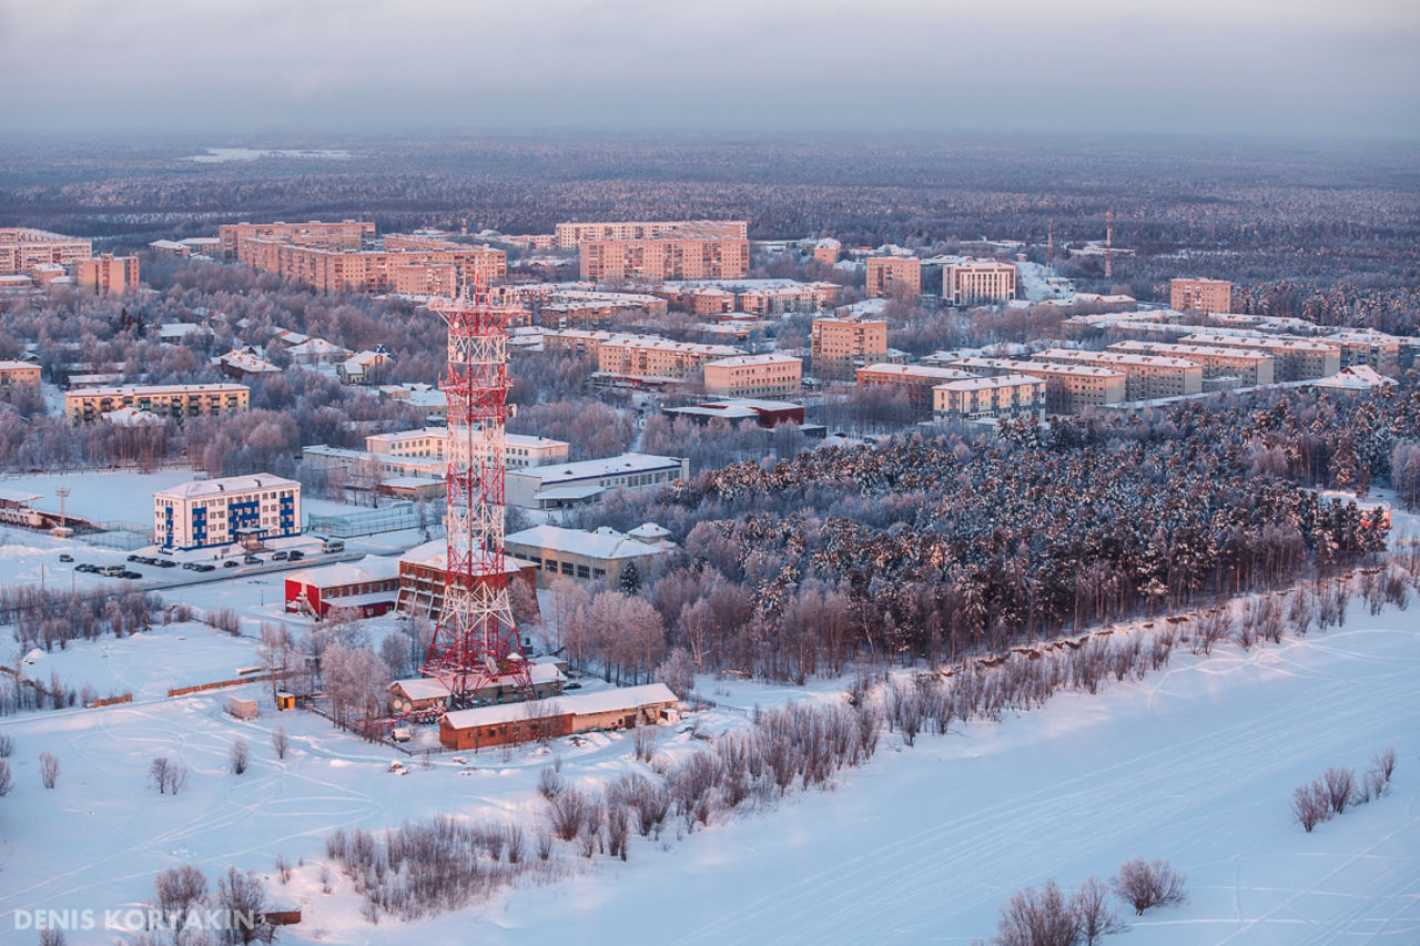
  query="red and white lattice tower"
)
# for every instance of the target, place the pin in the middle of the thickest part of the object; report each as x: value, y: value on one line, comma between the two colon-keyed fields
x: 475, y: 644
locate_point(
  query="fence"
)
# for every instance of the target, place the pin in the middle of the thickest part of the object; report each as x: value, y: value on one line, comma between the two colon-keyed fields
x: 126, y: 536
x: 238, y: 681
x: 391, y: 518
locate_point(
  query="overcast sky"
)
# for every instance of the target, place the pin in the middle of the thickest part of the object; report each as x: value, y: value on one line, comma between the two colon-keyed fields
x: 1112, y: 67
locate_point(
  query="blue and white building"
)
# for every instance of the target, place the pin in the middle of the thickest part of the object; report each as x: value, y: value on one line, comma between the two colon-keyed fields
x: 212, y: 513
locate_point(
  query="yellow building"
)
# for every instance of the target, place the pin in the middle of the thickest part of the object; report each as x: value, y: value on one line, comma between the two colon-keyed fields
x: 1006, y: 395
x: 839, y: 346
x: 18, y: 372
x: 1146, y: 376
x: 894, y: 276
x: 164, y: 400
x: 1250, y: 367
x: 649, y: 356
x: 1201, y: 295
x: 770, y: 375
x: 1069, y: 388
x: 107, y: 275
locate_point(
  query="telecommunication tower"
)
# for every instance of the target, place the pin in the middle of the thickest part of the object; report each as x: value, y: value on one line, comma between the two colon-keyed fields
x: 475, y: 643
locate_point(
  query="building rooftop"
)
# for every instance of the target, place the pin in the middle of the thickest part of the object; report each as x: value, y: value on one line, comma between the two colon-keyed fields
x: 603, y: 543
x: 1041, y: 367
x: 369, y: 568
x: 583, y: 704
x: 925, y: 372
x: 746, y: 361
x: 980, y: 384
x: 1117, y: 358
x: 589, y: 469
x: 196, y: 489
x: 1212, y: 351
x: 134, y: 390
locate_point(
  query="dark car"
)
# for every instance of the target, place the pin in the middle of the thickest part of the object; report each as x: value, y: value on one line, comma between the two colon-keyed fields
x: 296, y: 556
x: 135, y: 558
x: 278, y: 556
x: 130, y: 575
x: 252, y: 560
x: 165, y: 563
x: 65, y: 557
x: 230, y: 563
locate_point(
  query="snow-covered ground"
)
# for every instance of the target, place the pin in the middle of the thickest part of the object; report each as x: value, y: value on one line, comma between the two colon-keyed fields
x: 1195, y: 764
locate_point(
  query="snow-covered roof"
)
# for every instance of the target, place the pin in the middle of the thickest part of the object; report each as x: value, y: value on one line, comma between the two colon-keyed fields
x: 649, y: 530
x: 926, y: 372
x: 422, y: 688
x: 746, y: 361
x: 316, y: 347
x: 1356, y: 378
x: 552, y: 473
x: 369, y: 568
x: 604, y: 701
x: 604, y: 543
x: 434, y: 554
x: 227, y: 484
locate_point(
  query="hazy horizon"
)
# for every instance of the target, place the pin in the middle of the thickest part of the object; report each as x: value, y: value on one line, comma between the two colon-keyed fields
x: 1304, y: 70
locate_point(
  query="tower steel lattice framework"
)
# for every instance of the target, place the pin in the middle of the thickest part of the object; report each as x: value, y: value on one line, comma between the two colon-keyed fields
x: 475, y: 643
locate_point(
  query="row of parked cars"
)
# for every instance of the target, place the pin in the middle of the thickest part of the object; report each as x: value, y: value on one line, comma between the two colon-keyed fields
x: 108, y: 571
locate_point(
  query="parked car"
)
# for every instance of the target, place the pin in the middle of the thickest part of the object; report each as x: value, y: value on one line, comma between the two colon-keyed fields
x: 130, y: 575
x: 230, y: 563
x: 135, y: 557
x: 190, y: 566
x: 252, y: 560
x: 207, y: 568
x: 65, y: 557
x: 279, y: 556
x: 85, y: 567
x: 296, y: 556
x: 165, y: 563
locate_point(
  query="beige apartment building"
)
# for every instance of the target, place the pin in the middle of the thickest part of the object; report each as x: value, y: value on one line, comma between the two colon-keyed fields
x: 421, y: 265
x: 979, y: 282
x: 1069, y: 388
x: 690, y: 254
x: 1296, y: 359
x: 24, y: 248
x: 917, y: 380
x: 839, y: 346
x: 424, y: 279
x: 164, y: 400
x: 570, y: 236
x: 18, y: 372
x: 651, y: 357
x: 771, y: 375
x: 520, y: 450
x: 1007, y: 395
x: 1376, y: 349
x: 1250, y: 367
x: 827, y: 251
x: 894, y: 276
x: 1145, y: 376
x: 107, y: 275
x: 1201, y: 295
x: 344, y: 234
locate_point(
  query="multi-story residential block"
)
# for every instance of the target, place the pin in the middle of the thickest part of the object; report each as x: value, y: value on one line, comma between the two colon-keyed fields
x: 563, y: 485
x: 375, y: 270
x: 769, y: 375
x: 107, y: 275
x: 978, y: 282
x: 169, y: 400
x: 570, y: 236
x: 649, y: 356
x: 916, y: 380
x: 210, y: 513
x: 345, y: 234
x: 432, y: 443
x: 692, y: 252
x: 17, y: 373
x: 424, y: 278
x: 894, y: 276
x: 1376, y: 349
x: 1007, y: 395
x: 1069, y: 388
x: 1200, y: 295
x: 22, y: 249
x: 1297, y: 359
x: 1250, y: 367
x: 839, y: 346
x: 827, y: 251
x: 1146, y: 376
x: 752, y: 296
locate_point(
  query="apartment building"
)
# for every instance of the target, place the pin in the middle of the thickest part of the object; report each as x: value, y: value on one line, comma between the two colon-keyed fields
x: 894, y: 276
x: 345, y: 234
x: 107, y: 275
x: 212, y: 513
x: 17, y: 373
x: 917, y: 380
x: 166, y: 400
x: 1069, y: 388
x: 1296, y: 359
x: 1200, y: 295
x: 411, y: 278
x: 1375, y: 349
x: 827, y: 251
x: 571, y: 236
x: 838, y: 346
x: 1250, y: 367
x: 24, y: 248
x: 421, y: 264
x: 1007, y: 395
x: 751, y: 296
x: 649, y: 356
x: 769, y: 375
x: 563, y: 485
x: 978, y: 282
x: 1145, y: 376
x: 689, y: 254
x: 520, y: 450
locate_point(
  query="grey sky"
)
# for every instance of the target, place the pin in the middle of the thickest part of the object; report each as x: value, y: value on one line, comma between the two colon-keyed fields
x: 1313, y: 67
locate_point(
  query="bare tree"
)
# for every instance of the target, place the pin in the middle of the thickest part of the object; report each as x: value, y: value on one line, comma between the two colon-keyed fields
x: 169, y: 776
x: 240, y: 756
x: 51, y: 938
x: 567, y: 810
x: 1311, y: 806
x: 1038, y: 918
x: 1144, y: 885
x: 1382, y: 768
x: 1340, y: 788
x: 550, y: 783
x: 243, y: 901
x: 279, y: 741
x: 48, y: 770
x: 1093, y: 917
x: 180, y: 890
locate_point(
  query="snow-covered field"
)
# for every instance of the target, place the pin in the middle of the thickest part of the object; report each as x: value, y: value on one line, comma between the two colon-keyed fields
x: 1195, y: 765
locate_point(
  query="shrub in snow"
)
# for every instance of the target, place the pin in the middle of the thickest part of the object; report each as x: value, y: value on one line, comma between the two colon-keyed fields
x: 1038, y: 918
x: 1145, y: 885
x: 239, y: 756
x: 1311, y: 805
x: 1093, y: 918
x: 1340, y: 788
x: 6, y: 782
x: 48, y: 770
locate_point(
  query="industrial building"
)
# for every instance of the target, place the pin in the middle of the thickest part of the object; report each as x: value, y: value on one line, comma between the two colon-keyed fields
x: 426, y: 697
x: 1007, y: 395
x: 1145, y: 376
x: 561, y: 485
x: 769, y: 375
x: 423, y: 576
x: 168, y: 400
x: 211, y: 513
x: 509, y: 724
x: 602, y: 554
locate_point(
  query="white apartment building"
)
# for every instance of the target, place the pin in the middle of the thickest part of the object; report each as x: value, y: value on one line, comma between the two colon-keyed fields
x: 561, y: 485
x: 520, y: 450
x: 210, y: 513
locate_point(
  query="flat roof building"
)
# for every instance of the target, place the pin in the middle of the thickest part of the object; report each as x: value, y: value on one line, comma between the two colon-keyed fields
x: 1200, y: 295
x: 18, y: 372
x: 211, y: 513
x: 107, y: 275
x: 1069, y: 388
x: 24, y: 249
x: 894, y: 277
x: 978, y: 282
x: 917, y: 380
x: 563, y: 485
x: 602, y: 554
x: 570, y: 236
x: 653, y: 357
x: 1297, y: 359
x: 1250, y: 367
x: 169, y: 400
x: 839, y: 346
x: 364, y: 589
x: 768, y: 375
x: 693, y: 252
x: 1146, y: 376
x: 343, y: 234
x: 432, y: 443
x: 1007, y: 395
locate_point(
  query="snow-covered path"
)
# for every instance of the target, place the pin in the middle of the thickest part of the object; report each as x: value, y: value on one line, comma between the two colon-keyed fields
x: 1195, y: 765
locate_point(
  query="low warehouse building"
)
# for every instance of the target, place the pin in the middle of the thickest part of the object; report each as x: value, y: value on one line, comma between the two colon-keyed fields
x: 418, y: 695
x: 511, y: 723
x: 365, y: 588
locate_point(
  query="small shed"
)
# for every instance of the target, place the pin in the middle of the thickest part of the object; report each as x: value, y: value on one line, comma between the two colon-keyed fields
x: 242, y: 708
